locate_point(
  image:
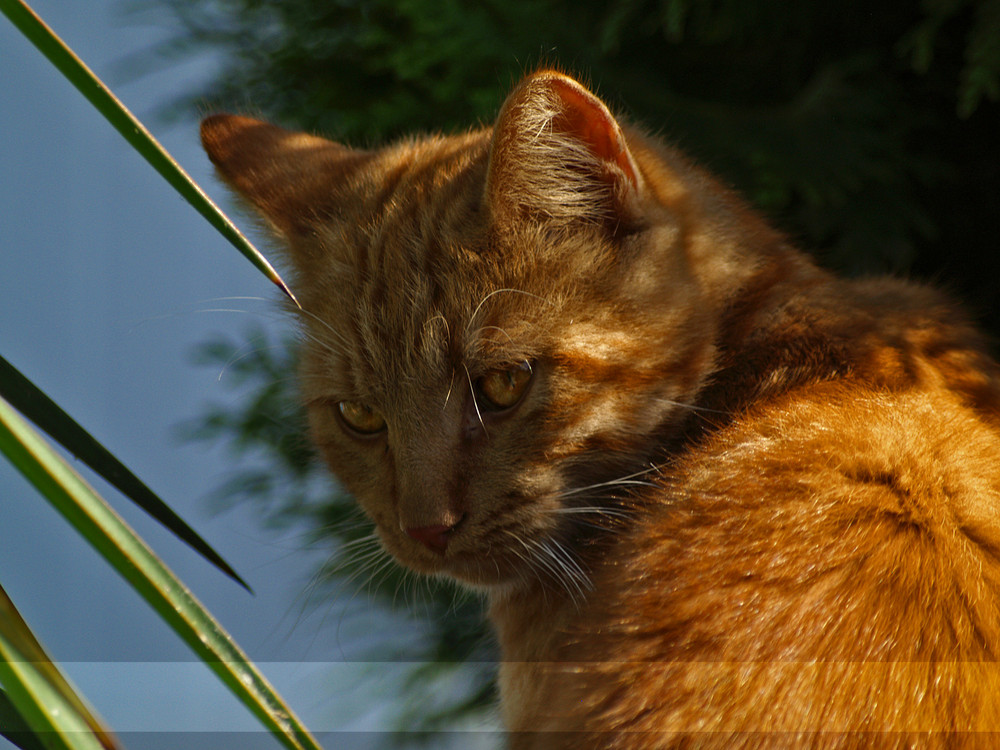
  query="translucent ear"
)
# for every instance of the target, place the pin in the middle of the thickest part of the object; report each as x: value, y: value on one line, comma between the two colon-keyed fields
x: 290, y: 178
x: 558, y: 152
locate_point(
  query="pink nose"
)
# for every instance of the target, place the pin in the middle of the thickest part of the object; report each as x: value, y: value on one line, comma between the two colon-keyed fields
x: 435, y: 538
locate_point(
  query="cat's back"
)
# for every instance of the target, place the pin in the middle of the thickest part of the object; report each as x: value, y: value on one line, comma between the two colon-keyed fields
x: 826, y: 561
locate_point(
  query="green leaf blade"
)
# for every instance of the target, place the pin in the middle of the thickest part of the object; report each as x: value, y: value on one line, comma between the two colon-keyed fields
x: 97, y: 522
x: 52, y: 719
x: 14, y: 728
x: 116, y: 113
x: 27, y: 398
x: 18, y: 635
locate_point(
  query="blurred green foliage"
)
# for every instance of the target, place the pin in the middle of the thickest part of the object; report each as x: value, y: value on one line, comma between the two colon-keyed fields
x: 868, y: 130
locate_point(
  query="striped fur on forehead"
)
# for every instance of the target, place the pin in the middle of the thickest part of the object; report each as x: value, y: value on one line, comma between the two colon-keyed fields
x: 421, y: 308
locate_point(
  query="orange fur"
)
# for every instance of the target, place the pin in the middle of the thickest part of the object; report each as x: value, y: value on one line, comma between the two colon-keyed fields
x: 740, y: 502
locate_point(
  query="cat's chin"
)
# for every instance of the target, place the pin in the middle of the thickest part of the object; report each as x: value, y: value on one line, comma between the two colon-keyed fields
x: 481, y: 570
x: 480, y: 573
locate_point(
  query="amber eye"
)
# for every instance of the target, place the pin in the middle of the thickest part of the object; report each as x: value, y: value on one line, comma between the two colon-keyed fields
x: 361, y: 417
x: 502, y: 389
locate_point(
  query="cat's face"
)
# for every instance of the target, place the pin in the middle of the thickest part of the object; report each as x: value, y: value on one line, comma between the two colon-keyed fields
x: 495, y: 324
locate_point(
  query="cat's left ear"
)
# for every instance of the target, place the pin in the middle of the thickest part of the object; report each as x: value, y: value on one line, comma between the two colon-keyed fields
x: 559, y: 154
x: 291, y: 178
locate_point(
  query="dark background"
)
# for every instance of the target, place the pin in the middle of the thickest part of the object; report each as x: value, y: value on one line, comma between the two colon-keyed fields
x: 870, y: 131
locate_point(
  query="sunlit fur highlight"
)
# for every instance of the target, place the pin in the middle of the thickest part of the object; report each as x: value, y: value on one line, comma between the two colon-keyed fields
x: 742, y: 503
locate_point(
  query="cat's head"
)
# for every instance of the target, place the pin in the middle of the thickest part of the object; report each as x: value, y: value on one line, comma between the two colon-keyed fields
x: 498, y: 326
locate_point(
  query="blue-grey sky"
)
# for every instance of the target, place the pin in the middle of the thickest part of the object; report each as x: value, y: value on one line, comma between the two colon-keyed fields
x: 107, y: 281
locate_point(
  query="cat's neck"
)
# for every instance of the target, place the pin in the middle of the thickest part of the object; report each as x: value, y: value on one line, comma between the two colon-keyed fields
x: 531, y: 623
x: 527, y: 619
x: 775, y: 332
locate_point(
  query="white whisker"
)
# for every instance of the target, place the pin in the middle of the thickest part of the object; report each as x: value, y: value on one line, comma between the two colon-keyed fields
x: 627, y: 480
x: 244, y: 352
x: 500, y: 291
x: 549, y: 557
x: 472, y: 390
x: 564, y: 559
x: 691, y: 407
x: 337, y: 337
x: 602, y: 485
x: 497, y: 328
x: 443, y: 319
x: 591, y: 510
x: 447, y: 396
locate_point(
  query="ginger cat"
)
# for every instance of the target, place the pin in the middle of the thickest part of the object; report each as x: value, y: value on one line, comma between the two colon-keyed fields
x: 717, y: 497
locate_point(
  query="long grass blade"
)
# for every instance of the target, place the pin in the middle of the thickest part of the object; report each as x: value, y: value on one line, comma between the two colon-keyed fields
x: 48, y: 715
x: 97, y: 522
x: 15, y: 631
x: 88, y: 84
x: 14, y: 728
x: 28, y: 399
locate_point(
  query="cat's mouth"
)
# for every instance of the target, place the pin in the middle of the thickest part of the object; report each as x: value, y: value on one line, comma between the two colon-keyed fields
x: 479, y: 557
x: 447, y: 551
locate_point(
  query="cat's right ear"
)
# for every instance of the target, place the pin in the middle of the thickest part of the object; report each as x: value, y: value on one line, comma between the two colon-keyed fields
x: 558, y: 153
x: 289, y: 177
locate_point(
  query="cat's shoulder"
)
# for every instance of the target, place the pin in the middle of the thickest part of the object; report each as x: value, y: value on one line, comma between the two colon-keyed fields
x: 832, y: 462
x: 851, y: 538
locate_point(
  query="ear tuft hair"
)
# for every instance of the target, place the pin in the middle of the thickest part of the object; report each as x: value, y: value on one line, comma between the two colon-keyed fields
x: 558, y: 151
